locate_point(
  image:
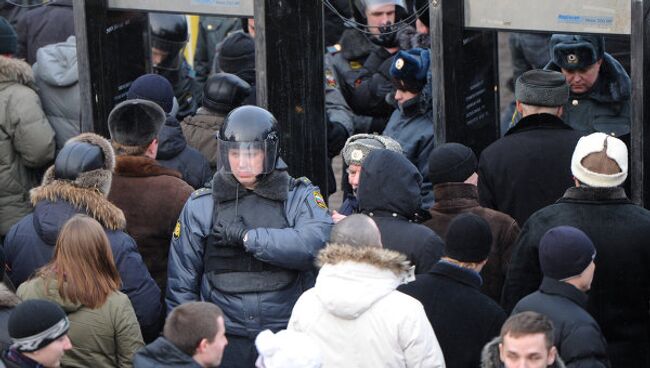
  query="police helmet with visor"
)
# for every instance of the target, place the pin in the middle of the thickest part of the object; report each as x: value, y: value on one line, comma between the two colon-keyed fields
x: 169, y: 35
x: 247, y: 132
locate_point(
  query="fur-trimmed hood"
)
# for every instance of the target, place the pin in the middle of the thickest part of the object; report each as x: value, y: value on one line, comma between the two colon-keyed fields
x: 15, y: 71
x: 352, y: 280
x: 8, y: 299
x: 91, y: 201
x: 490, y: 356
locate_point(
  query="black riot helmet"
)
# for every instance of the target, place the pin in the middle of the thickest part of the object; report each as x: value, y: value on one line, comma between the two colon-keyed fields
x: 169, y: 36
x: 384, y: 34
x: 248, y: 132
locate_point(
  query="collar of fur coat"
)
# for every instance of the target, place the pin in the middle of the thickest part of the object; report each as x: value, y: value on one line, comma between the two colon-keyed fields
x: 8, y: 299
x: 141, y: 166
x: 381, y: 258
x: 92, y: 201
x: 15, y: 70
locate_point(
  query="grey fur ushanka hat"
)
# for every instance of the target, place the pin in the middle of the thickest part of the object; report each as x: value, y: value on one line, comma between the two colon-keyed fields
x: 358, y: 146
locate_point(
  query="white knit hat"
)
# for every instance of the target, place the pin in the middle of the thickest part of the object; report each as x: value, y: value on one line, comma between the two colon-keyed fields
x: 287, y: 349
x: 613, y: 147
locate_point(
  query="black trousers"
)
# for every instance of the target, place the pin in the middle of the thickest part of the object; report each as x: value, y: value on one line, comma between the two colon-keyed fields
x: 239, y: 353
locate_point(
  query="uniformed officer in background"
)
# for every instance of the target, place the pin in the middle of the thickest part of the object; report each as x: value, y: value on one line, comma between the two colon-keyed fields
x: 169, y: 37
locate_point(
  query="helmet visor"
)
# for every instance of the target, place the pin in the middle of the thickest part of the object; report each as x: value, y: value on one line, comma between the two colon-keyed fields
x: 247, y: 159
x: 166, y: 55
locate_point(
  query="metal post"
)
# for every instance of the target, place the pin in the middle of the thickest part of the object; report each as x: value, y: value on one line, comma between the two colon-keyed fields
x: 289, y: 45
x: 640, y: 165
x: 464, y: 68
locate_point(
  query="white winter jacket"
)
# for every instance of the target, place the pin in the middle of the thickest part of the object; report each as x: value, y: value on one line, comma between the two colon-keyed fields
x: 359, y: 319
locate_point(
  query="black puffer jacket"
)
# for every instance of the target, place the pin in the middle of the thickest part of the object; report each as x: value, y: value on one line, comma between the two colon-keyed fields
x: 577, y: 335
x: 174, y: 153
x: 389, y: 192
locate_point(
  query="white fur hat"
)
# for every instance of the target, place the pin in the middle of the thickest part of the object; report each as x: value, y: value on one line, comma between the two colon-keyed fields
x: 615, y: 150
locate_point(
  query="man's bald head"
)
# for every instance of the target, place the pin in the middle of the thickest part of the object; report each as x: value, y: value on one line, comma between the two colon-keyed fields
x: 357, y: 230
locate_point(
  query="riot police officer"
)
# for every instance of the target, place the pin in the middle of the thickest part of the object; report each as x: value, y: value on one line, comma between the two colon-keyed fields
x: 248, y: 243
x: 169, y: 37
x: 358, y: 66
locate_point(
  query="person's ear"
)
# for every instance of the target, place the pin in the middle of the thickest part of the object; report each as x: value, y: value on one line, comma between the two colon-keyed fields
x: 202, y: 346
x: 551, y: 356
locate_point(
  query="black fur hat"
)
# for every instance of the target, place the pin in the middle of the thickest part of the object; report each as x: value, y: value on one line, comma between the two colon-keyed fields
x: 135, y: 122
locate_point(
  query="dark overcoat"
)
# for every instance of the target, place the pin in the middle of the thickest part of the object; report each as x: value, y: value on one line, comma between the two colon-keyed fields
x: 620, y: 293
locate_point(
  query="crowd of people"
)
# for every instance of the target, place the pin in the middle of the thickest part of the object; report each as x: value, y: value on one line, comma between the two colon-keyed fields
x: 181, y: 240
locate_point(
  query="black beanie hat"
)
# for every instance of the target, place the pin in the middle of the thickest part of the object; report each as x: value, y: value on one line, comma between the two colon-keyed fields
x: 153, y: 87
x: 451, y: 163
x: 564, y: 252
x: 8, y: 38
x: 237, y: 53
x: 35, y: 323
x: 469, y: 238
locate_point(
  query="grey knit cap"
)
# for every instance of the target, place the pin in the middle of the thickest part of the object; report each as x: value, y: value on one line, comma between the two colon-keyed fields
x: 542, y: 88
x: 358, y: 146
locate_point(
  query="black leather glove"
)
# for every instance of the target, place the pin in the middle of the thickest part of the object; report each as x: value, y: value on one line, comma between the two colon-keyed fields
x: 336, y: 137
x: 380, y: 86
x: 231, y: 234
x: 387, y: 36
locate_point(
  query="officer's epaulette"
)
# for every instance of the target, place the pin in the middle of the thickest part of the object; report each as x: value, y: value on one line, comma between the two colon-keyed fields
x: 200, y: 192
x: 334, y: 48
x: 300, y: 180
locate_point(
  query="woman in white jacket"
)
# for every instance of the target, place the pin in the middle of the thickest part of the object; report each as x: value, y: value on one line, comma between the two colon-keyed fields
x: 358, y: 318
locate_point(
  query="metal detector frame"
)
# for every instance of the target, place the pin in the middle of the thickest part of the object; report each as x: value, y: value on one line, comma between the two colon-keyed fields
x: 639, y: 26
x: 289, y: 65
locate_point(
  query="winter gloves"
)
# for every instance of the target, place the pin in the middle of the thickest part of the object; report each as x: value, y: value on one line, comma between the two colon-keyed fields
x: 231, y: 234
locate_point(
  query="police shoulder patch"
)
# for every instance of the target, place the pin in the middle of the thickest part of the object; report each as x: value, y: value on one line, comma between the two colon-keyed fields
x: 354, y: 65
x: 177, y: 230
x: 200, y: 192
x: 318, y: 198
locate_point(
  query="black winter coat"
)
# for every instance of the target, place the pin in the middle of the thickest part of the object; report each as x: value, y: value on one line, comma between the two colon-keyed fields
x: 577, y: 335
x: 529, y: 168
x: 389, y: 192
x: 175, y: 154
x: 162, y: 353
x: 620, y: 292
x: 45, y: 25
x: 463, y: 318
x: 30, y: 243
